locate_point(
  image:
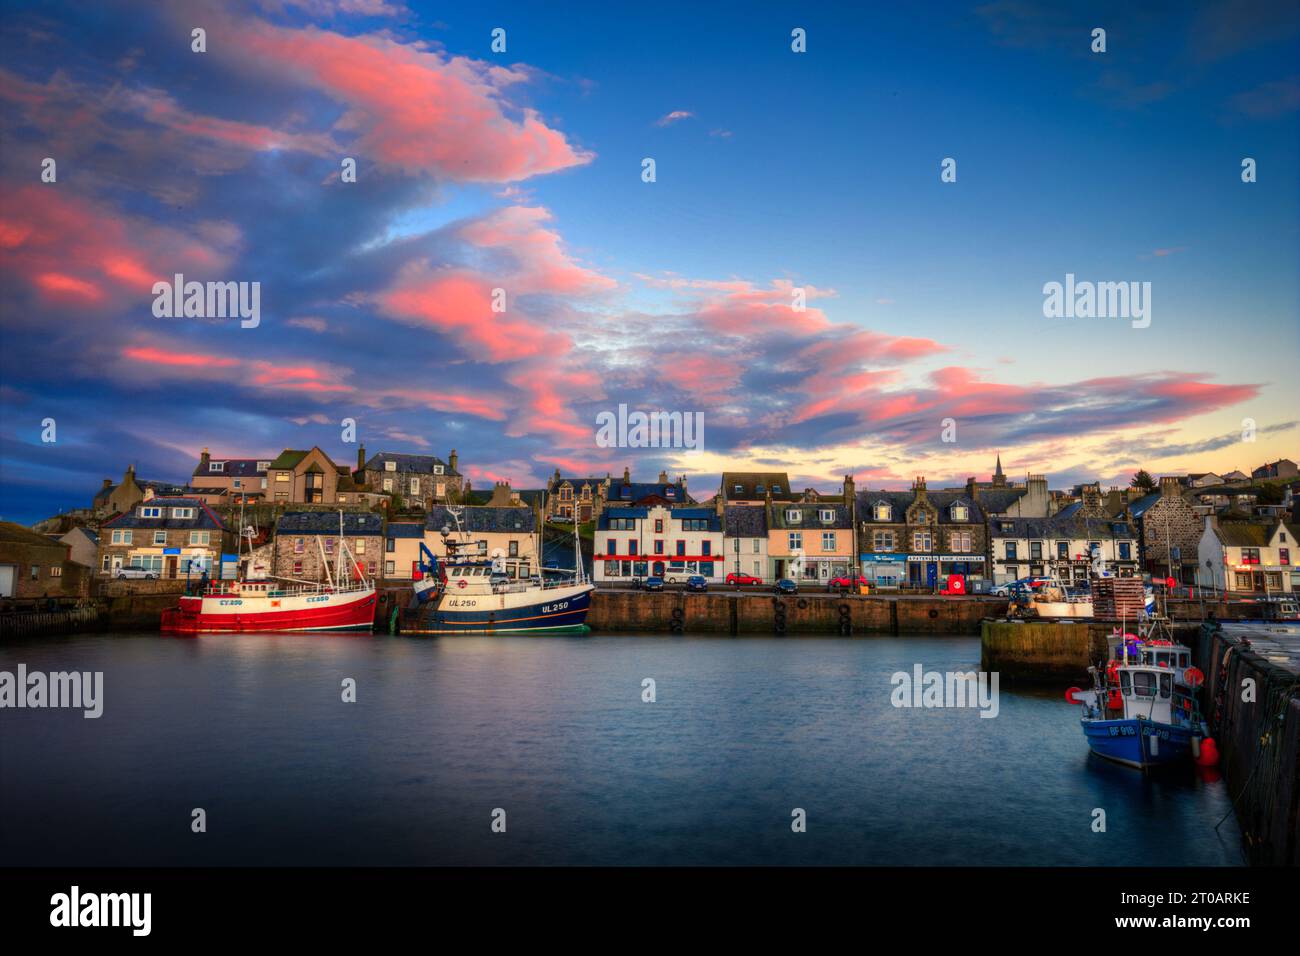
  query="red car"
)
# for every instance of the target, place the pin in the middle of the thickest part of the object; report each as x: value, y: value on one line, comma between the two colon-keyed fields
x: 738, y: 579
x: 844, y: 581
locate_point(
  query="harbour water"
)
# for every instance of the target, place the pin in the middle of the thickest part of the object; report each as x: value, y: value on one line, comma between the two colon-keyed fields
x: 555, y: 731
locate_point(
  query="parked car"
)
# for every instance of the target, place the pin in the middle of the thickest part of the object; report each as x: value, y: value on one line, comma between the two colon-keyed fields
x: 845, y: 583
x: 652, y: 584
x: 785, y: 586
x: 697, y: 582
x: 736, y: 578
x: 135, y: 571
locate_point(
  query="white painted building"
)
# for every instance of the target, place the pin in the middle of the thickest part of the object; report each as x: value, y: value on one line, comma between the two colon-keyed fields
x: 1064, y: 547
x: 1248, y: 557
x: 655, y: 540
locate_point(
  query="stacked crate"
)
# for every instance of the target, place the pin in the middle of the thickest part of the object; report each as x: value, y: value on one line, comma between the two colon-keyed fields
x: 1116, y: 598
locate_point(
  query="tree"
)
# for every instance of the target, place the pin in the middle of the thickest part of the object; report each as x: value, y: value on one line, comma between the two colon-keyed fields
x: 1143, y: 481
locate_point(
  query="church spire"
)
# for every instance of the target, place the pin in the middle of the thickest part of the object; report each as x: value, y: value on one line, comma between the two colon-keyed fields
x: 997, y: 472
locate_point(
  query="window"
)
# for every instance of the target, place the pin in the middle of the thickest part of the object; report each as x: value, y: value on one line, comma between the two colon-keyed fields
x: 361, y: 545
x: 1283, y: 555
x: 415, y: 486
x: 121, y: 537
x: 263, y: 465
x: 263, y: 484
x: 388, y: 569
x: 329, y: 545
x: 795, y: 541
x: 200, y: 537
x: 297, y: 567
x: 921, y: 541
x: 56, y: 571
x: 695, y: 524
x: 1035, y: 550
x: 1012, y: 551
x: 776, y: 489
x: 150, y: 512
x: 739, y: 489
x: 960, y: 513
x: 828, y: 540
x: 659, y: 525
x: 299, y: 545
x: 755, y: 548
x: 36, y: 571
x: 160, y: 537
x: 513, y: 549
x: 1063, y: 549
x: 1125, y: 550
x: 216, y: 466
x: 959, y: 542
x: 390, y: 466
x: 758, y: 489
x: 882, y: 541
x: 1013, y: 572
x: 106, y: 563
x: 283, y: 476
x: 183, y: 514
x: 1250, y: 555
x: 883, y: 512
x: 388, y: 484
x: 631, y: 547
x: 681, y: 548
x: 827, y: 515
x: 659, y: 547
x: 611, y: 546
x: 236, y: 483
x: 437, y: 469
x: 390, y: 545
x: 793, y: 515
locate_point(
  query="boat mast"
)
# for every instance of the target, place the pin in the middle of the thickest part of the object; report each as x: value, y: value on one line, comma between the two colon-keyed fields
x: 577, y: 552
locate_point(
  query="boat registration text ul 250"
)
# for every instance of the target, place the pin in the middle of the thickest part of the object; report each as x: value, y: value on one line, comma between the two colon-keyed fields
x: 552, y: 608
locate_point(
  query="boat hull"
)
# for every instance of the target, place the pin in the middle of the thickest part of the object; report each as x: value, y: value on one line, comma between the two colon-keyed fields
x: 563, y: 610
x: 233, y: 613
x: 1130, y: 742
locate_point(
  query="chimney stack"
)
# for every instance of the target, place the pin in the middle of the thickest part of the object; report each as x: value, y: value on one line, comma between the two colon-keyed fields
x: 453, y: 458
x: 361, y: 458
x: 1169, y: 486
x: 204, y: 458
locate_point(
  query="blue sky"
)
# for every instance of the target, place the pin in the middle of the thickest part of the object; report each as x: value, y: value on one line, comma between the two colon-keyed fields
x: 521, y: 170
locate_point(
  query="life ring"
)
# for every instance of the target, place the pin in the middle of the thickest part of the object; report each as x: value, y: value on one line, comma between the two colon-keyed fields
x: 803, y: 603
x: 933, y: 612
x: 1112, y: 671
x: 1193, y: 677
x: 1069, y: 695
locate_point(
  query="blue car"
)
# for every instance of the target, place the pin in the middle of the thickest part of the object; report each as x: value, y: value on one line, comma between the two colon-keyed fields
x: 697, y: 582
x: 652, y: 584
x: 785, y: 586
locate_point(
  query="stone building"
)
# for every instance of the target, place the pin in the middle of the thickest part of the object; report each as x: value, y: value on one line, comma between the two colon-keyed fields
x: 35, y: 566
x: 173, y: 537
x: 230, y: 480
x: 114, y: 499
x: 1169, y: 532
x: 308, y: 477
x: 580, y: 498
x: 307, y: 543
x: 421, y: 481
x: 918, y: 537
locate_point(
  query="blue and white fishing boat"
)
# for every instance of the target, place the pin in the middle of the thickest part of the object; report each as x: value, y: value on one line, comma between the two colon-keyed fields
x: 464, y: 595
x: 1141, y: 710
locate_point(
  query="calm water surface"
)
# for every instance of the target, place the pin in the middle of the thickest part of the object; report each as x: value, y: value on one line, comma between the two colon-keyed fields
x: 553, y: 730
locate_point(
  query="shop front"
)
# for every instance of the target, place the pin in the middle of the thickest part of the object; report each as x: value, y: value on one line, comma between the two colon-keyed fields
x: 930, y: 570
x: 884, y: 570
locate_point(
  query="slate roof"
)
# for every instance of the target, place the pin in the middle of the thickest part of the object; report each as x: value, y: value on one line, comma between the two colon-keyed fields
x: 997, y: 500
x: 755, y: 484
x: 745, y: 521
x: 204, y: 517
x: 483, y: 520
x: 405, y: 529
x: 159, y: 488
x: 902, y: 500
x: 1246, y: 534
x: 640, y: 490
x: 11, y: 533
x: 811, y: 519
x: 409, y: 464
x: 715, y: 523
x: 1056, y: 527
x: 1069, y: 509
x: 231, y: 468
x: 327, y: 522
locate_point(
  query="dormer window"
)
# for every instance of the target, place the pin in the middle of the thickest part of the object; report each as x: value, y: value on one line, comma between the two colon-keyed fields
x: 758, y: 489
x: 263, y: 465
x: 437, y: 469
x: 390, y: 466
x: 739, y: 488
x: 776, y: 489
x: 960, y: 513
x: 217, y: 465
x: 883, y: 512
x: 183, y: 513
x: 150, y: 512
x: 794, y: 516
x: 827, y: 515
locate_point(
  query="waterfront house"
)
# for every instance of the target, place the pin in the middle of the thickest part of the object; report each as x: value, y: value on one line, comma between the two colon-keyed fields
x: 306, y: 542
x: 1247, y: 557
x: 580, y: 498
x: 645, y: 493
x: 402, y: 540
x: 1063, y: 545
x: 174, y: 537
x: 744, y: 540
x: 1169, y: 531
x: 83, y: 544
x: 506, y: 535
x: 674, y: 543
x: 420, y: 481
x: 918, y: 538
x: 309, y: 477
x: 1282, y: 468
x: 810, y: 542
x: 222, y: 481
x: 755, y: 487
x: 36, y: 566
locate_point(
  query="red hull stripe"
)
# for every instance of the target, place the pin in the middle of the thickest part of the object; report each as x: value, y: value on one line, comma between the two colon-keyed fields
x: 355, y: 615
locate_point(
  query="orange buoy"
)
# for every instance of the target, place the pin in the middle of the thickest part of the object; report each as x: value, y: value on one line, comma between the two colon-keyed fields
x: 1194, y: 677
x: 1209, y: 755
